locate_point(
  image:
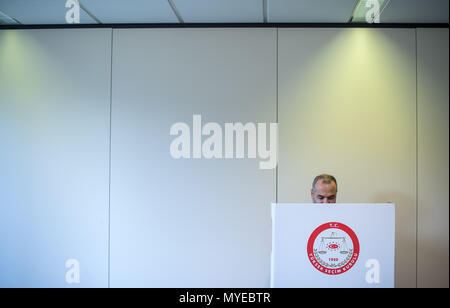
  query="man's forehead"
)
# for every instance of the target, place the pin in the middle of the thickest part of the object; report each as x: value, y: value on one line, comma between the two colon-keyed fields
x: 320, y: 185
x: 325, y: 182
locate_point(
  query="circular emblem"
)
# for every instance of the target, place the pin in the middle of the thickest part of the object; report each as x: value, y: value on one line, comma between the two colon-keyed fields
x: 333, y: 248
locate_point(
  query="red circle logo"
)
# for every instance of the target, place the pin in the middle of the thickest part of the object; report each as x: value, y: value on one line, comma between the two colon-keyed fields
x: 333, y: 248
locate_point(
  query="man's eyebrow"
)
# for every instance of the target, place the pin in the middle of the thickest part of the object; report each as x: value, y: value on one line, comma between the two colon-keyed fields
x: 322, y: 196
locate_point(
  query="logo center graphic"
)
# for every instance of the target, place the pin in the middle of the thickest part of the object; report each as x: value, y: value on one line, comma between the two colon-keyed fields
x: 333, y: 248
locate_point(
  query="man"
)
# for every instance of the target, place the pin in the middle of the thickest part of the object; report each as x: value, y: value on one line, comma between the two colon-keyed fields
x: 324, y: 189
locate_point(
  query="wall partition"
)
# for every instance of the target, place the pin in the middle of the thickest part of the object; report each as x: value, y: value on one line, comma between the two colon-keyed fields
x: 54, y: 157
x: 189, y: 222
x: 433, y: 157
x: 347, y: 106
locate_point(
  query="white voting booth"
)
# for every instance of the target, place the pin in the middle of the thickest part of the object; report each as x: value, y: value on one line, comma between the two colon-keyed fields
x: 333, y: 245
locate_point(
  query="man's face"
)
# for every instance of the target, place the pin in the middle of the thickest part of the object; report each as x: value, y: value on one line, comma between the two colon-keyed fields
x: 324, y: 193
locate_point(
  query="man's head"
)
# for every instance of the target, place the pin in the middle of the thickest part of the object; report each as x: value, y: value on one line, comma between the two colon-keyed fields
x: 324, y: 189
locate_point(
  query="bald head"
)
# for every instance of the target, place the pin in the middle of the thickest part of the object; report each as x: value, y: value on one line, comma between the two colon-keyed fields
x: 324, y: 189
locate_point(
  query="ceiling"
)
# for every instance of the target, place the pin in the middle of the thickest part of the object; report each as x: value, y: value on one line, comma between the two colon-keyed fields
x: 38, y: 12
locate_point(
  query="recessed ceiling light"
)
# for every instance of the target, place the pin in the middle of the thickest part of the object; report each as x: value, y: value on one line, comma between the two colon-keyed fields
x: 368, y: 11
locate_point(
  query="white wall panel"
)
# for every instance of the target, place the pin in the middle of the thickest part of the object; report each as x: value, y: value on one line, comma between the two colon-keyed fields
x: 189, y: 222
x: 347, y: 107
x: 433, y: 136
x: 54, y: 150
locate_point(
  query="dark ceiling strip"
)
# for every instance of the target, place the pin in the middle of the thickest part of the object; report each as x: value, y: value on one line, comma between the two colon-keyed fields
x: 231, y: 25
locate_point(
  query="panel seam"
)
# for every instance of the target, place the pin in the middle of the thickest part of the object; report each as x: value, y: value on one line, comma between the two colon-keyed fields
x: 417, y: 168
x: 109, y: 167
x: 278, y: 130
